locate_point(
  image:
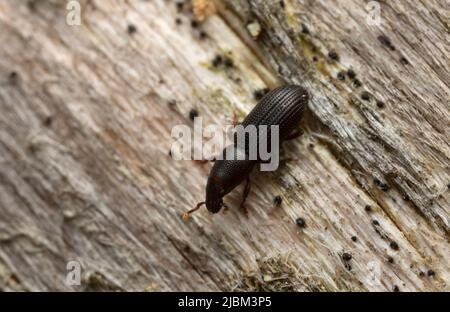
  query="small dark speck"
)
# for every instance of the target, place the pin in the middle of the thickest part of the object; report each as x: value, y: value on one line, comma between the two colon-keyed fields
x: 305, y: 29
x: 178, y: 21
x: 194, y: 23
x: 170, y: 153
x: 341, y: 75
x: 375, y: 222
x: 300, y: 222
x: 404, y: 61
x: 380, y: 104
x: 277, y: 200
x: 351, y: 74
x: 282, y: 4
x: 258, y: 94
x: 386, y: 41
x: 431, y: 273
x: 48, y: 121
x: 368, y: 208
x: 357, y: 83
x: 172, y: 103
x: 228, y: 62
x: 217, y: 61
x: 315, y: 59
x: 180, y: 5
x: 311, y: 145
x: 395, y: 288
x: 203, y: 34
x: 365, y: 96
x: 390, y: 259
x: 333, y: 55
x: 131, y: 29
x: 192, y: 114
x: 421, y: 274
x: 354, y: 238
x: 346, y: 256
x: 393, y: 245
x: 13, y: 77
x: 384, y: 187
x: 448, y: 186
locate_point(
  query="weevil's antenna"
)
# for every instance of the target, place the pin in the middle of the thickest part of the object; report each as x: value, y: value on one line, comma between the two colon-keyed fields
x: 188, y: 213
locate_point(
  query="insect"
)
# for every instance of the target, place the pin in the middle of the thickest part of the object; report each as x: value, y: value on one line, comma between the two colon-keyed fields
x: 284, y: 107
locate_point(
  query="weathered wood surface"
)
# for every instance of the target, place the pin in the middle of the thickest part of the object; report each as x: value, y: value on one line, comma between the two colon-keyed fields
x: 85, y: 129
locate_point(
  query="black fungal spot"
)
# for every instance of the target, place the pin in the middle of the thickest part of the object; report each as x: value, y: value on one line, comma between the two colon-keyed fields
x: 228, y: 62
x: 393, y: 245
x: 192, y: 114
x: 48, y: 121
x: 351, y: 74
x: 395, y: 288
x: 282, y: 4
x: 384, y: 187
x: 180, y: 5
x: 178, y: 21
x: 13, y: 77
x: 404, y: 60
x: 203, y: 34
x: 346, y: 256
x: 380, y: 104
x: 311, y: 145
x: 333, y: 55
x: 277, y: 200
x: 258, y: 94
x: 375, y: 222
x: 386, y: 42
x: 354, y: 238
x: 341, y: 75
x: 194, y: 23
x: 357, y: 83
x: 448, y: 186
x: 368, y: 208
x: 131, y: 29
x: 305, y: 29
x: 170, y: 153
x: 300, y: 222
x: 421, y: 274
x: 315, y: 59
x: 390, y: 259
x: 430, y: 273
x: 365, y: 96
x: 217, y: 61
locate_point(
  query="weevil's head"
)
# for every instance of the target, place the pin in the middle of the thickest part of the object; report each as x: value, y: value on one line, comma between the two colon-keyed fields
x: 214, y: 194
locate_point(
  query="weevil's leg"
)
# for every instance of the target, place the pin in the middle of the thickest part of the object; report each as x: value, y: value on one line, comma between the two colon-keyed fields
x: 245, y: 195
x: 295, y: 134
x: 188, y: 213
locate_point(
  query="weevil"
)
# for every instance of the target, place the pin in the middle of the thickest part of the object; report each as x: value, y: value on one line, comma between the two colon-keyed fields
x: 284, y: 107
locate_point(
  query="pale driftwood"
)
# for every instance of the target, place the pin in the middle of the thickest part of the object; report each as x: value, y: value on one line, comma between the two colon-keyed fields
x: 85, y: 126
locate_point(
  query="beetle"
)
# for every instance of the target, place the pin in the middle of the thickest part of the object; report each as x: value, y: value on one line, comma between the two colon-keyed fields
x: 283, y: 106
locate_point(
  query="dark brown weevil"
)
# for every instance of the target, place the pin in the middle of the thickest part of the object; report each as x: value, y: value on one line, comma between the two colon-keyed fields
x: 284, y: 107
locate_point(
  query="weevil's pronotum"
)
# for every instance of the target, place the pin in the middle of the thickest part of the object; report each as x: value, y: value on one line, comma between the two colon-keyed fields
x: 284, y: 107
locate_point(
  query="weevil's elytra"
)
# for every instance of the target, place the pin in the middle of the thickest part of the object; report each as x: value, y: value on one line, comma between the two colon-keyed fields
x: 283, y: 106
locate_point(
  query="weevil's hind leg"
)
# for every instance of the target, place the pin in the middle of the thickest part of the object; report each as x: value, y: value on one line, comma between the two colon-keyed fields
x: 247, y: 188
x: 295, y: 134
